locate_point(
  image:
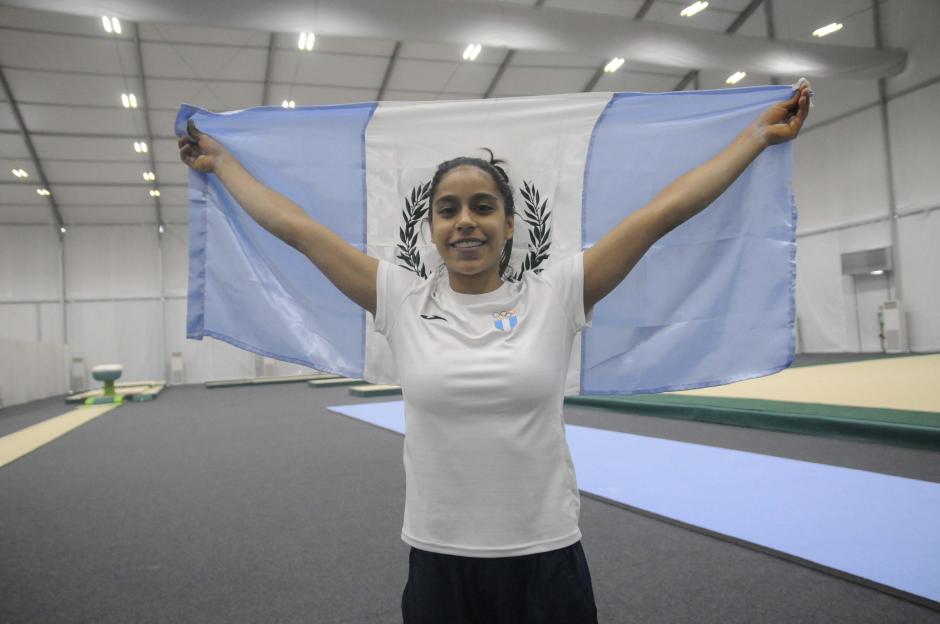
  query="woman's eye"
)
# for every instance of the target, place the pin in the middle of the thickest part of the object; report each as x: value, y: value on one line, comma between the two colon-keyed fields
x: 485, y: 207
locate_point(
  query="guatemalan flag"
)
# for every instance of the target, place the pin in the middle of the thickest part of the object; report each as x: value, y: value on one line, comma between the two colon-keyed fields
x: 710, y: 303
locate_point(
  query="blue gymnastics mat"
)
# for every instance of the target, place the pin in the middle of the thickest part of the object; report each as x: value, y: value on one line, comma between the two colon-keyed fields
x: 878, y: 527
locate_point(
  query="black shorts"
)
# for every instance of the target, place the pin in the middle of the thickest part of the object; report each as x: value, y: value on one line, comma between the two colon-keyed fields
x: 544, y: 588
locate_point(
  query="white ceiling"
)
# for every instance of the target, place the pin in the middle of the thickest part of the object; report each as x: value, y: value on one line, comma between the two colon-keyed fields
x: 66, y: 74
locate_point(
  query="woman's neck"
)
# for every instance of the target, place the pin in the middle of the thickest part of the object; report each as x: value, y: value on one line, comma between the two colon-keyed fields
x: 478, y: 284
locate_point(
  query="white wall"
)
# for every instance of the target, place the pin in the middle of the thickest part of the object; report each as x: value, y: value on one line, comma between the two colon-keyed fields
x: 125, y: 301
x: 844, y: 198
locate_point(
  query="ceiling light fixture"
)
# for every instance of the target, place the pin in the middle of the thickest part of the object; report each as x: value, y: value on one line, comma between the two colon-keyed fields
x: 149, y: 176
x: 62, y: 229
x: 692, y: 9
x: 288, y: 104
x: 735, y: 77
x: 20, y: 173
x: 613, y: 65
x: 472, y: 51
x: 111, y: 24
x: 305, y: 41
x: 161, y: 229
x: 878, y: 272
x: 827, y: 30
x: 44, y: 192
x: 140, y: 147
x: 154, y: 193
x: 129, y: 100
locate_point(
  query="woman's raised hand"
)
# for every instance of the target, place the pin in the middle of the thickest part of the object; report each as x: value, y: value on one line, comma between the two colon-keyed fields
x: 200, y: 151
x: 782, y: 121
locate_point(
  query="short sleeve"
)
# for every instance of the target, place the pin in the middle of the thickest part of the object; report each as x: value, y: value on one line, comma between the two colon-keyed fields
x: 566, y: 277
x: 393, y: 283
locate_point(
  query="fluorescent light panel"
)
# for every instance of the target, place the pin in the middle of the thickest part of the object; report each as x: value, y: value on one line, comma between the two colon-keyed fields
x: 305, y: 41
x: 827, y: 30
x: 472, y: 51
x: 692, y: 9
x: 20, y: 173
x: 111, y: 24
x: 735, y: 77
x: 613, y: 65
x: 288, y: 104
x: 140, y: 147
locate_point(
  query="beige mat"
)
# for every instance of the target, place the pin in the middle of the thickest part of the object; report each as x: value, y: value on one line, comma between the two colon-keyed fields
x: 905, y: 383
x: 15, y: 445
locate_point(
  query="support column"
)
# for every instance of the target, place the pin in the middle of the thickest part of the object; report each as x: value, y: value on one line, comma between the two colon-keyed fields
x: 889, y: 165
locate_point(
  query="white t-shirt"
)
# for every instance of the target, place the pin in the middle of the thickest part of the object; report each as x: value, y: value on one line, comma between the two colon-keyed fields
x: 488, y: 472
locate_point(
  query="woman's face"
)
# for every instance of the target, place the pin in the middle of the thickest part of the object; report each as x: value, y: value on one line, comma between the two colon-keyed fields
x: 469, y: 225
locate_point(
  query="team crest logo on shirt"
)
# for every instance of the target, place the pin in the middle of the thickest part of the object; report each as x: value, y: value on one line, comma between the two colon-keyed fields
x: 506, y: 320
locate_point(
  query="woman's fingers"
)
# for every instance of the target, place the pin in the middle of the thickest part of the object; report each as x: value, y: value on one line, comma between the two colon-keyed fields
x: 192, y: 131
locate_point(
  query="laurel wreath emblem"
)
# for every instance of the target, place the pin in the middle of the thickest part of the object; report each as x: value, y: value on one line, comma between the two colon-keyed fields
x: 536, y: 215
x: 416, y: 207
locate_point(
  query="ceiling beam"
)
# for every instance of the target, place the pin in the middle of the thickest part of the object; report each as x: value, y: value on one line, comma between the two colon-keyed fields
x: 388, y: 71
x: 506, y: 61
x: 146, y: 112
x: 24, y: 133
x: 738, y: 22
x: 752, y: 6
x: 266, y: 91
x: 643, y: 9
x: 771, y: 29
x: 599, y: 72
x: 499, y: 73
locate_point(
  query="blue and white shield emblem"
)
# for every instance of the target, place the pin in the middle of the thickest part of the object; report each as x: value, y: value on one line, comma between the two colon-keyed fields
x: 505, y: 320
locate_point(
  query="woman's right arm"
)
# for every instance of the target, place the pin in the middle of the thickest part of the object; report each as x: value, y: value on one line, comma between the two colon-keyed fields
x: 351, y: 271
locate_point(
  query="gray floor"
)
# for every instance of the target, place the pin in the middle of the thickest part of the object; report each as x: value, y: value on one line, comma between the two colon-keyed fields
x: 255, y: 504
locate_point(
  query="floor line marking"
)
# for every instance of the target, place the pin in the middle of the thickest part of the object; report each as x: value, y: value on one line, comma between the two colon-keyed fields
x: 24, y: 441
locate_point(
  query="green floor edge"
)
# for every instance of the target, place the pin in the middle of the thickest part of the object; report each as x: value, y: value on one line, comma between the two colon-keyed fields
x: 261, y: 381
x: 899, y: 427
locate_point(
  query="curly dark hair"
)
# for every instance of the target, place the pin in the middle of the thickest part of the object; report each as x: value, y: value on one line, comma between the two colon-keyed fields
x: 493, y: 167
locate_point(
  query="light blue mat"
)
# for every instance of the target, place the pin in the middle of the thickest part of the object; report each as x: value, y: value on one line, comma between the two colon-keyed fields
x: 878, y: 527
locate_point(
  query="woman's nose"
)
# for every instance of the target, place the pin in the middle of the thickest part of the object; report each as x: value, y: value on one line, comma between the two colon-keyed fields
x: 466, y: 220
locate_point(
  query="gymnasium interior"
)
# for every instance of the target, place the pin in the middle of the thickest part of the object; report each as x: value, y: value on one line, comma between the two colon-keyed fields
x: 149, y: 477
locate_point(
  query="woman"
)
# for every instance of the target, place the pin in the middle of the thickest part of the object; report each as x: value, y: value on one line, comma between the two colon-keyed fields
x: 492, y: 503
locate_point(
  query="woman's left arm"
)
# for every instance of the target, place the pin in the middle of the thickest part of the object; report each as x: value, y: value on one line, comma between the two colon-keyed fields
x: 609, y: 261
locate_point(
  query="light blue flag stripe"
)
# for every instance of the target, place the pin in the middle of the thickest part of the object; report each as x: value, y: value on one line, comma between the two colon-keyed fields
x: 713, y: 301
x: 248, y: 288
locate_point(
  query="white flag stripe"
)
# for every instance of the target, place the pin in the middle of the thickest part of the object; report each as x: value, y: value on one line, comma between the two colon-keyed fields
x: 545, y: 141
